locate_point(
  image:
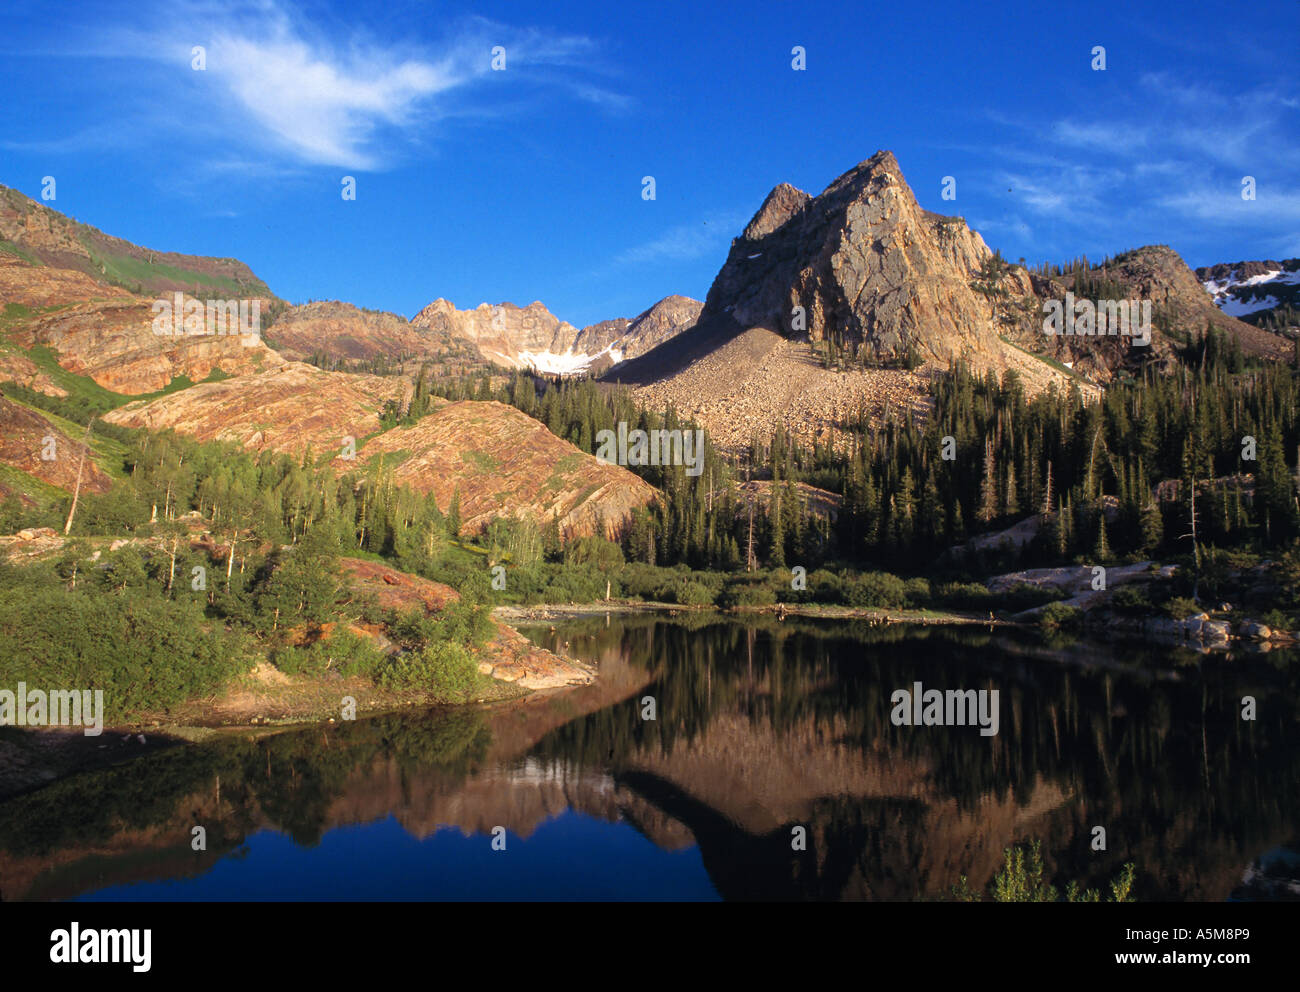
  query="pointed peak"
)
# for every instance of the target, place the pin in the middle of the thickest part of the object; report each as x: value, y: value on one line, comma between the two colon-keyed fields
x: 880, y: 164
x: 781, y: 204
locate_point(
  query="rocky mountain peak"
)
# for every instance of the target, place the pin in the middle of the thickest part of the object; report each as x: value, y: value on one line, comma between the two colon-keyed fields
x: 781, y: 204
x: 882, y: 168
x: 533, y: 337
x: 869, y: 268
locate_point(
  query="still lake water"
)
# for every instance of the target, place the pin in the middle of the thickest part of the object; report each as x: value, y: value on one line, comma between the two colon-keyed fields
x: 760, y: 727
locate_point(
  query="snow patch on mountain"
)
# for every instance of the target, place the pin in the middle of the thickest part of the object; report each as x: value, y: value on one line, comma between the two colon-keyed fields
x: 1234, y: 303
x: 1234, y: 307
x: 565, y: 363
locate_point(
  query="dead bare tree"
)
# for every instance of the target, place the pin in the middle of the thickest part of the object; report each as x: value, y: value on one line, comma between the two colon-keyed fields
x: 76, y: 491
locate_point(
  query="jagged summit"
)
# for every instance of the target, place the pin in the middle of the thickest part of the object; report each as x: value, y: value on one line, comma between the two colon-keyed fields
x: 861, y: 265
x: 781, y: 204
x: 867, y: 266
x: 533, y: 337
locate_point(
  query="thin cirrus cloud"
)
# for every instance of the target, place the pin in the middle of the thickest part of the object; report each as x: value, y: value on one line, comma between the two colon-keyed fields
x: 685, y: 242
x: 1171, y: 181
x: 340, y: 97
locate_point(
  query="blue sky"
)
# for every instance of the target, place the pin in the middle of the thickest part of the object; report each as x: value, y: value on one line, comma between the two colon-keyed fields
x: 526, y: 183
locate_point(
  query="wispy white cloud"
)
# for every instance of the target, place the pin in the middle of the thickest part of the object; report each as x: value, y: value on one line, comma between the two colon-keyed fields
x: 1068, y: 192
x: 1224, y: 205
x: 685, y: 242
x: 1163, y: 162
x: 312, y: 93
x: 1012, y: 224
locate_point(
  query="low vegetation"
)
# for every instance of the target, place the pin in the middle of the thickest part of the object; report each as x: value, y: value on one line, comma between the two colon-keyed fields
x: 1022, y: 879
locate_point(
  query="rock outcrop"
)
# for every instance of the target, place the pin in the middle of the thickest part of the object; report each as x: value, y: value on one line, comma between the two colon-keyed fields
x: 504, y: 333
x: 506, y: 464
x: 1158, y: 273
x: 867, y: 266
x: 860, y: 265
x: 533, y: 337
x: 114, y: 343
x: 289, y: 408
x: 349, y: 335
x: 623, y: 339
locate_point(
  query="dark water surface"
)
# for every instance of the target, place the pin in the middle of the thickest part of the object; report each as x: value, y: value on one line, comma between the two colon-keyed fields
x: 760, y: 728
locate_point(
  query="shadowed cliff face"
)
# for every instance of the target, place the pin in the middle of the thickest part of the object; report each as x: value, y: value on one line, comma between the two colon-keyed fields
x: 757, y: 731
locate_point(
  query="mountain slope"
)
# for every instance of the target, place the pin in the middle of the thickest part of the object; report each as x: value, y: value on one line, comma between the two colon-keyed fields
x: 40, y: 235
x: 867, y: 265
x: 33, y: 445
x: 506, y: 464
x: 349, y: 336
x: 623, y: 339
x: 90, y: 300
x: 503, y: 462
x: 289, y: 408
x: 1158, y: 273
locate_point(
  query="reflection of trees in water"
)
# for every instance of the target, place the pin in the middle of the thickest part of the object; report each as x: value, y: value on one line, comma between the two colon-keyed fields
x: 288, y: 780
x: 1181, y: 784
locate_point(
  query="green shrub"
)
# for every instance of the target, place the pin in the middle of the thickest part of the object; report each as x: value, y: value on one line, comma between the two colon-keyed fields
x: 918, y: 592
x: 876, y: 590
x: 293, y: 660
x: 825, y: 587
x: 593, y: 551
x: 964, y: 596
x: 352, y: 654
x: 689, y: 593
x: 1024, y: 596
x: 459, y: 621
x: 746, y: 592
x: 1279, y: 620
x: 1058, y: 616
x: 145, y: 652
x: 1022, y: 879
x: 447, y: 671
x: 1180, y: 608
x: 1131, y: 599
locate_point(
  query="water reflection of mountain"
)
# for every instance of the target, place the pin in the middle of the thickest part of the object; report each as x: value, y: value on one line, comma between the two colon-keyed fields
x: 759, y: 729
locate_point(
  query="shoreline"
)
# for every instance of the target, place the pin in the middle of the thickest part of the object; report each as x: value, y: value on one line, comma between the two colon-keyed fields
x: 265, y: 702
x: 542, y: 612
x: 265, y: 699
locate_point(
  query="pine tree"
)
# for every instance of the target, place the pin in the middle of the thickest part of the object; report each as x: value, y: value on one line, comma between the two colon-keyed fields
x: 453, y: 514
x: 777, y: 554
x: 1102, y: 549
x: 988, y: 486
x: 1152, y: 526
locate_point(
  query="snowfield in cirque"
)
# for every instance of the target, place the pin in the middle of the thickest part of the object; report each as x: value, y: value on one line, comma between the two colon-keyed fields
x: 1229, y: 296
